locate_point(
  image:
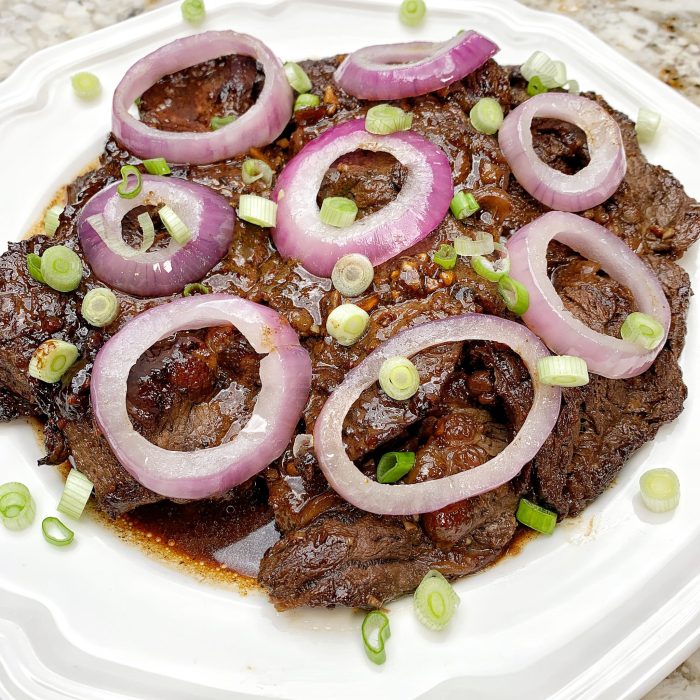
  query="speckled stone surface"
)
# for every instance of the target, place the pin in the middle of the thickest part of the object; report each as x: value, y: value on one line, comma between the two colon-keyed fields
x: 662, y: 36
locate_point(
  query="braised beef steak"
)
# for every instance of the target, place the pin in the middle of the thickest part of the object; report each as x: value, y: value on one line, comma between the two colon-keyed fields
x: 198, y: 388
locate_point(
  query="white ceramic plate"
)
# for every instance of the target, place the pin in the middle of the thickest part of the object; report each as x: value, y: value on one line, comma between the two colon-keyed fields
x: 602, y: 609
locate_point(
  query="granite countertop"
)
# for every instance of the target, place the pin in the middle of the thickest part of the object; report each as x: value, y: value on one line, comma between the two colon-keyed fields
x: 662, y: 36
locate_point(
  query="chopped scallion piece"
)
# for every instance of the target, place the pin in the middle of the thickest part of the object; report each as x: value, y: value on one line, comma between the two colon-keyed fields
x: 463, y: 204
x: 56, y: 533
x: 297, y: 78
x: 123, y: 187
x: 216, y: 123
x: 660, y: 490
x: 394, y: 466
x: 572, y: 86
x: 492, y: 271
x: 435, y: 601
x: 254, y: 169
x: 647, y: 125
x: 445, y: 256
x: 156, y: 166
x: 536, y: 87
x: 76, y: 494
x: 100, y: 307
x: 61, y: 268
x: 17, y: 508
x: 387, y: 119
x: 399, y: 378
x: 514, y: 294
x: 412, y: 12
x: 352, y: 274
x: 34, y: 267
x: 306, y: 101
x: 347, y: 323
x: 536, y: 517
x: 375, y: 632
x: 193, y: 11
x: 51, y: 219
x: 486, y: 115
x: 52, y: 359
x: 86, y: 85
x: 174, y: 225
x: 149, y: 231
x: 257, y: 210
x: 552, y: 74
x: 642, y: 329
x: 195, y: 288
x: 563, y: 370
x: 338, y: 211
x: 482, y: 245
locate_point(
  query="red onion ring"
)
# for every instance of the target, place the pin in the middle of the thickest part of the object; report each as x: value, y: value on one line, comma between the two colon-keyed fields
x: 207, y: 215
x: 410, y: 499
x: 259, y: 126
x: 590, y: 186
x: 417, y: 210
x: 285, y: 373
x: 561, y: 331
x: 395, y: 71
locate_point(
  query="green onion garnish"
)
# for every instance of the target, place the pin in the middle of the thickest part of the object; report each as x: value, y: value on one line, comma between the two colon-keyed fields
x: 296, y: 77
x: 347, y: 323
x: 123, y: 187
x: 195, y: 288
x: 86, y: 85
x: 482, y: 245
x: 552, y: 74
x: 647, y: 125
x: 216, y: 123
x: 486, y: 115
x: 149, y: 231
x: 51, y: 219
x: 156, y: 166
x: 435, y: 601
x: 642, y: 329
x: 17, y: 507
x: 174, y: 225
x: 660, y: 490
x: 61, y: 268
x: 572, y: 86
x: 338, y: 211
x: 492, y: 271
x: 352, y: 274
x: 399, y: 378
x: 563, y: 370
x: 536, y: 87
x: 386, y: 119
x: 445, y: 256
x: 254, y: 169
x: 100, y: 307
x: 412, y: 12
x: 34, y: 267
x: 52, y: 359
x: 535, y: 517
x: 463, y: 204
x: 514, y: 294
x: 193, y: 11
x: 257, y: 210
x: 306, y: 101
x: 56, y: 533
x: 375, y: 632
x: 394, y: 466
x: 76, y: 494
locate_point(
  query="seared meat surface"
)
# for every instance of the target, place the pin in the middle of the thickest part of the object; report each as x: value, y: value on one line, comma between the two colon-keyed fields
x: 196, y: 389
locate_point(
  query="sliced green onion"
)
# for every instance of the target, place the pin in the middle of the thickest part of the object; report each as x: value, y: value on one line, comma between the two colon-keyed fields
x: 296, y: 77
x: 463, y: 204
x: 552, y: 74
x: 435, y: 601
x: 51, y: 219
x: 352, y: 274
x: 216, y: 123
x: 445, y: 256
x: 86, y: 85
x: 100, y: 307
x: 660, y: 490
x: 642, y: 329
x: 52, y: 359
x: 572, y: 86
x: 486, y: 115
x: 399, y: 378
x: 647, y: 125
x: 535, y: 86
x: 257, y: 210
x: 17, y: 507
x: 492, y: 271
x: 56, y: 533
x: 76, y: 494
x: 123, y: 187
x: 394, y: 466
x: 61, y: 268
x: 148, y: 229
x: 536, y: 517
x: 412, y: 12
x: 254, y: 169
x: 195, y: 288
x: 34, y: 267
x: 514, y: 294
x: 193, y: 11
x: 306, y: 101
x: 338, y: 211
x: 347, y: 323
x: 156, y: 166
x: 482, y: 245
x: 375, y: 632
x: 386, y: 119
x: 563, y: 370
x: 174, y: 225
